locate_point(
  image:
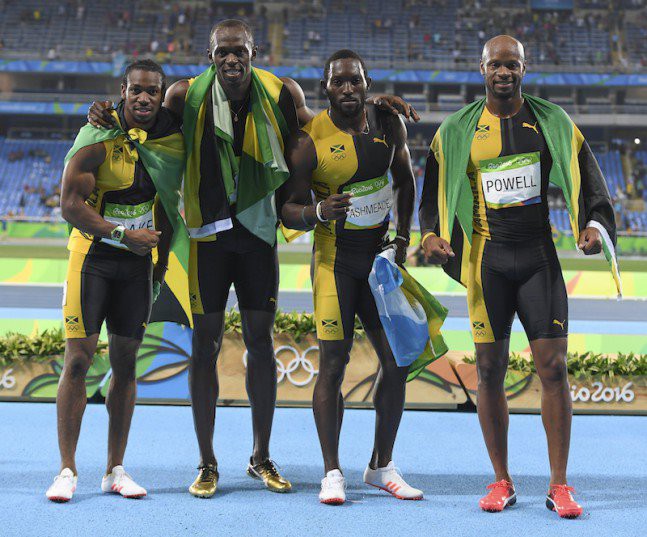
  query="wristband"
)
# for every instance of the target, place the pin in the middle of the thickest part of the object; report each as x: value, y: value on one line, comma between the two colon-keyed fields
x: 319, y: 213
x: 402, y: 237
x: 424, y: 237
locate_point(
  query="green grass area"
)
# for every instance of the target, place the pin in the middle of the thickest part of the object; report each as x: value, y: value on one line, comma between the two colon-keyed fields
x: 290, y: 256
x: 37, y: 251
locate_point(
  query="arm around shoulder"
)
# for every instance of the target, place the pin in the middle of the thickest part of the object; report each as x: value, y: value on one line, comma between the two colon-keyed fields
x: 304, y: 114
x: 176, y: 95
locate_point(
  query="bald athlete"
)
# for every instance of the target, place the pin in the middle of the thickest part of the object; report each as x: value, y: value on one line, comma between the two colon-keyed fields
x: 513, y: 265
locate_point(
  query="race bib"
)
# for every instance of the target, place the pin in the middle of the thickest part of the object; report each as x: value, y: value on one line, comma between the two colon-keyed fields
x: 511, y: 181
x: 130, y: 216
x: 372, y: 201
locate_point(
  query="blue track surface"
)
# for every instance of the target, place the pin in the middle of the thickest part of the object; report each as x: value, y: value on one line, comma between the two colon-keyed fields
x: 440, y: 452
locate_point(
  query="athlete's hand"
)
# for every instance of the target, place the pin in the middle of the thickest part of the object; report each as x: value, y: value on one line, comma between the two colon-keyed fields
x: 141, y: 241
x: 396, y: 105
x: 590, y: 241
x: 399, y: 244
x: 437, y: 250
x: 335, y: 206
x: 99, y: 115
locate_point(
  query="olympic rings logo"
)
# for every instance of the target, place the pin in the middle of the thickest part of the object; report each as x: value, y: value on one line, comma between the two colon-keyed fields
x: 7, y: 381
x: 299, y: 361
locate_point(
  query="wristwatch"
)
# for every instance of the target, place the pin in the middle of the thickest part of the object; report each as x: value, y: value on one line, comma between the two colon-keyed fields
x: 118, y: 233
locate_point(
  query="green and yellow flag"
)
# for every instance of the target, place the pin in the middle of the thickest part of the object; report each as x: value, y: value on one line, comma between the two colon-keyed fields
x: 210, y: 191
x: 584, y: 188
x: 163, y: 159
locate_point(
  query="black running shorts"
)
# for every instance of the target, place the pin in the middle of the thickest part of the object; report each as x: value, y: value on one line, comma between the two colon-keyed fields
x: 107, y: 284
x: 341, y: 290
x: 236, y: 257
x: 516, y: 277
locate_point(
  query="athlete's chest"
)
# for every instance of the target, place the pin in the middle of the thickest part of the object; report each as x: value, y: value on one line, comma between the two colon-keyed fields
x: 343, y: 158
x: 495, y: 137
x: 118, y: 169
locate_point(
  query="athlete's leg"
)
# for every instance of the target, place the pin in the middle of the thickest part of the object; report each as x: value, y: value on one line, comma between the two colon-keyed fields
x: 491, y: 300
x: 388, y: 400
x: 336, y: 294
x: 261, y: 377
x: 556, y: 404
x: 128, y: 312
x: 543, y: 310
x: 120, y: 400
x: 256, y: 281
x: 492, y: 406
x: 211, y: 266
x: 390, y: 386
x: 328, y: 402
x: 208, y: 330
x: 85, y: 305
x: 71, y: 397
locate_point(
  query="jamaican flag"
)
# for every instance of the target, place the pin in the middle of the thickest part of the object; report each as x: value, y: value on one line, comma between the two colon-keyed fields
x: 163, y: 159
x: 585, y: 191
x: 212, y: 191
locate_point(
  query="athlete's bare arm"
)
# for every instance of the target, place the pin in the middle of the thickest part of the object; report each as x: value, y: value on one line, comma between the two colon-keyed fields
x: 175, y: 97
x: 404, y: 189
x: 304, y: 114
x: 79, y: 181
x: 297, y: 211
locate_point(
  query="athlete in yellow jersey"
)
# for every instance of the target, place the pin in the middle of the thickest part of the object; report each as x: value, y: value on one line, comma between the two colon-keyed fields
x: 109, y: 198
x: 236, y: 256
x: 344, y: 155
x: 513, y: 265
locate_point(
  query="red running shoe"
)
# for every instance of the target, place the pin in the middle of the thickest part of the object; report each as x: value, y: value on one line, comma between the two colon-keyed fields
x: 501, y: 495
x: 559, y: 499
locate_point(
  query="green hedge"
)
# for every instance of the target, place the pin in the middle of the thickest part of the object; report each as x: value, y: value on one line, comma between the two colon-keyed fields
x: 16, y: 348
x: 588, y: 364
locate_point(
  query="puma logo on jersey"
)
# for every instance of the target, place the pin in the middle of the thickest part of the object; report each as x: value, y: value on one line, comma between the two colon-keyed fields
x: 381, y: 141
x: 561, y: 325
x: 529, y: 126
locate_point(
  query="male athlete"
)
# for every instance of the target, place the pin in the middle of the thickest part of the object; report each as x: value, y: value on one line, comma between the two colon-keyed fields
x: 235, y: 118
x: 112, y: 202
x: 344, y: 155
x: 489, y: 168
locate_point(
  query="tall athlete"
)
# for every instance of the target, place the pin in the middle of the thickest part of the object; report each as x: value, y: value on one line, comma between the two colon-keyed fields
x: 232, y: 244
x: 489, y: 168
x: 111, y: 201
x: 344, y: 155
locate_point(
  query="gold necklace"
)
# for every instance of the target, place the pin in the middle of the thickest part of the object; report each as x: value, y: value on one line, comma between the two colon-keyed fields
x: 239, y: 110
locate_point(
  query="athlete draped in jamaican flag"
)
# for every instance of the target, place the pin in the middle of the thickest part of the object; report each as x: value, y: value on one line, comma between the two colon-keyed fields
x: 484, y: 215
x: 344, y: 155
x: 119, y: 194
x: 236, y: 122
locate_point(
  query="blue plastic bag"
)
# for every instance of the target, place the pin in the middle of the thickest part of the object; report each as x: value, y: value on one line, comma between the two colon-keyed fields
x: 403, y: 319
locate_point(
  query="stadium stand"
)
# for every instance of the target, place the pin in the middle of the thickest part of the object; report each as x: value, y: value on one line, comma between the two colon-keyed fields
x: 30, y: 173
x: 386, y: 32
